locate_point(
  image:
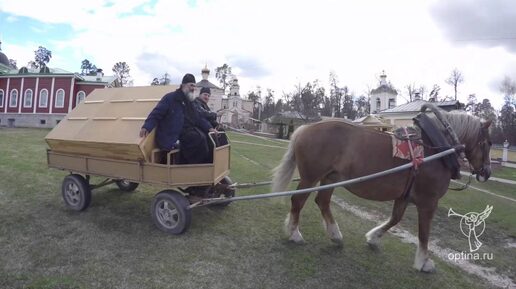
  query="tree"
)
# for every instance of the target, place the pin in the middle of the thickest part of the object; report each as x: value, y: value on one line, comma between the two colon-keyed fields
x: 155, y: 81
x: 472, y: 103
x: 269, y: 108
x: 485, y: 110
x: 434, y: 93
x: 42, y: 57
x: 362, y: 106
x: 223, y: 74
x: 13, y: 64
x: 454, y: 80
x: 508, y: 88
x: 411, y: 91
x: 121, y: 70
x: 88, y: 68
x: 32, y: 64
x: 335, y: 100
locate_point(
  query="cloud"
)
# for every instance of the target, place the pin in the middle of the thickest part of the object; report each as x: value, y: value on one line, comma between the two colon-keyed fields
x: 486, y: 23
x: 247, y: 66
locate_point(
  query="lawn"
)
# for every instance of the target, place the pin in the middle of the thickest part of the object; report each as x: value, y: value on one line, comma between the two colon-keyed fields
x: 505, y: 173
x: 113, y: 244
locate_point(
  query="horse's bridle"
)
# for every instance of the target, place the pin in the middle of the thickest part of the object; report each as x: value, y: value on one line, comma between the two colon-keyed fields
x: 483, y: 142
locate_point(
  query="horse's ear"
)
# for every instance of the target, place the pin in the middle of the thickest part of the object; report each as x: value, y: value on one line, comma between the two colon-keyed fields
x: 486, y: 123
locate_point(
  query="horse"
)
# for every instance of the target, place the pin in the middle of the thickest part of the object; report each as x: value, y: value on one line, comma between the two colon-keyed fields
x: 332, y: 151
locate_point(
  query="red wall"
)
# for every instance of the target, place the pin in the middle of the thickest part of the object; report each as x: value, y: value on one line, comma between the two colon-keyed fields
x: 28, y: 83
x: 44, y: 83
x: 62, y: 83
x: 86, y: 88
x: 14, y: 84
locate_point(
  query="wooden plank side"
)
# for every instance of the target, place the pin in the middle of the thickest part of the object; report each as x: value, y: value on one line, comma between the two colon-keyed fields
x: 221, y: 161
x: 191, y: 175
x: 100, y: 150
x: 114, y: 169
x: 65, y: 162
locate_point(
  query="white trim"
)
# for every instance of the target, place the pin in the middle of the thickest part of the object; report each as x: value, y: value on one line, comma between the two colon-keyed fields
x: 70, y: 102
x: 36, y: 94
x: 39, y: 99
x: 21, y: 94
x: 64, y: 97
x: 77, y: 97
x: 39, y: 113
x: 7, y: 95
x: 25, y: 98
x: 3, y: 98
x: 10, y: 95
x: 51, y: 104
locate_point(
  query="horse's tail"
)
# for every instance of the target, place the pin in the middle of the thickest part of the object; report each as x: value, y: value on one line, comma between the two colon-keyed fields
x: 284, y: 171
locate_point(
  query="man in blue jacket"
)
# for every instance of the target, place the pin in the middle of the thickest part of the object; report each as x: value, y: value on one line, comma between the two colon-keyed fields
x: 175, y: 118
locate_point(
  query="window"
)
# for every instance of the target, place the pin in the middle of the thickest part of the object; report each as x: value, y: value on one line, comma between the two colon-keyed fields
x: 43, y: 98
x: 378, y: 104
x: 80, y: 97
x: 13, y: 101
x: 27, y: 98
x: 42, y: 121
x: 1, y: 98
x: 60, y: 96
x: 392, y: 103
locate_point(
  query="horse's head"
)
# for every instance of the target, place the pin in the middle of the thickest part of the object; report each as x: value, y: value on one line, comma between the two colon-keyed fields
x: 477, y: 153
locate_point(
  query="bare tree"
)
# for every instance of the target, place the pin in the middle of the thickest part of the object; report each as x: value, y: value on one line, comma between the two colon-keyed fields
x: 508, y: 88
x: 455, y: 79
x: 121, y: 70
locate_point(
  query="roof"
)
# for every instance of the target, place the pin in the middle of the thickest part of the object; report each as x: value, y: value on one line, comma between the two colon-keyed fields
x: 372, y: 121
x: 107, y: 123
x: 206, y: 83
x: 90, y: 78
x: 415, y: 106
x: 384, y: 88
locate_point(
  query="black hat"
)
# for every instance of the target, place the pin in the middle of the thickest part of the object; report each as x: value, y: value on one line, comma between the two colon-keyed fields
x: 205, y: 90
x: 188, y: 78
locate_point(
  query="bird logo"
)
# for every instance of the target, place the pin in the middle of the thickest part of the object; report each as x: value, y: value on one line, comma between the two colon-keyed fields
x: 472, y: 225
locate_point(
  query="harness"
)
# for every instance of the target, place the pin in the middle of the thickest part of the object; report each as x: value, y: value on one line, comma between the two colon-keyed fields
x: 439, y: 141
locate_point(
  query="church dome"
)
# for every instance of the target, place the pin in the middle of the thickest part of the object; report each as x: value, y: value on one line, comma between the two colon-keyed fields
x: 3, y: 59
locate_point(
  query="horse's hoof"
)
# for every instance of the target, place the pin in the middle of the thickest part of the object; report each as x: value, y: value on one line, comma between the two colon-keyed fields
x: 372, y: 240
x: 297, y: 238
x: 428, y: 266
x: 337, y: 241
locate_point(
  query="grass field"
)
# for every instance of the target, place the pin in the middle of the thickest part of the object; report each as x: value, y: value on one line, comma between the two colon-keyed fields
x: 114, y: 244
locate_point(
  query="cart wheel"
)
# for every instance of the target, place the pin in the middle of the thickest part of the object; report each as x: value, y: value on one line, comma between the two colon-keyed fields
x: 126, y: 186
x: 76, y: 192
x: 224, y: 190
x: 170, y: 212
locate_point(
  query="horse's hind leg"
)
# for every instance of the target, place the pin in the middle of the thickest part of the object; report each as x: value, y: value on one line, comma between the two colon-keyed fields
x: 422, y: 261
x: 398, y: 209
x: 323, y: 200
x: 292, y: 221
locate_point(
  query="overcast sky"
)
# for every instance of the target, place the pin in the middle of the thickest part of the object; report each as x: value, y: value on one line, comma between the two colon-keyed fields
x: 276, y: 44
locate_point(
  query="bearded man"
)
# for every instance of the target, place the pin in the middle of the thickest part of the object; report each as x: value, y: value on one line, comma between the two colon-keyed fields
x: 175, y: 118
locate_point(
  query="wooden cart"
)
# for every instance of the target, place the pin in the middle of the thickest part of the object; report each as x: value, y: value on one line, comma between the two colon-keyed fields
x: 100, y: 138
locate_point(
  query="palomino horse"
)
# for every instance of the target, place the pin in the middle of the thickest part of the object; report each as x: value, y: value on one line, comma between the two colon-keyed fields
x: 333, y: 151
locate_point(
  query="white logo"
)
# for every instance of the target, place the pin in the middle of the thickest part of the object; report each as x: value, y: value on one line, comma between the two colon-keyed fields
x: 473, y: 225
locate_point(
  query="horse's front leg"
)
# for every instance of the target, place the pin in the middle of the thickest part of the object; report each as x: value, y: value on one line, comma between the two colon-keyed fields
x: 422, y: 261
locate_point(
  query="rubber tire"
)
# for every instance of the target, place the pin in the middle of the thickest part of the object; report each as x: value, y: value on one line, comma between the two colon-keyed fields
x: 126, y: 186
x: 226, y: 180
x: 84, y: 192
x: 180, y: 203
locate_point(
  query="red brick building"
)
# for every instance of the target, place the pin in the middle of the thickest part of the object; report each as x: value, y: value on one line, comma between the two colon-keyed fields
x: 41, y: 98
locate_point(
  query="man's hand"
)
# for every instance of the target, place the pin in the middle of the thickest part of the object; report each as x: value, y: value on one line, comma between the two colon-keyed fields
x: 143, y: 132
x: 214, y: 131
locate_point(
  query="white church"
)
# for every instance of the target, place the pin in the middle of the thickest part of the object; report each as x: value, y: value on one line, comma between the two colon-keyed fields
x: 232, y: 110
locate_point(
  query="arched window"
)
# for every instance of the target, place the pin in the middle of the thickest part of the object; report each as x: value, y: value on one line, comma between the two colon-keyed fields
x: 27, y: 98
x: 13, y: 100
x: 1, y: 98
x: 378, y: 104
x: 43, y: 98
x: 80, y: 97
x: 60, y: 96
